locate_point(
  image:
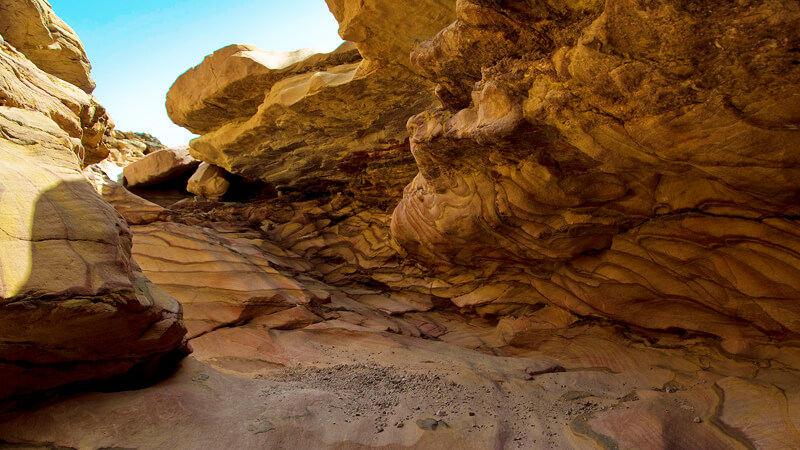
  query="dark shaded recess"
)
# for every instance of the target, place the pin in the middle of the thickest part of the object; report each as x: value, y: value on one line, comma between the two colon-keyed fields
x: 142, y: 375
x: 167, y: 192
x: 244, y: 189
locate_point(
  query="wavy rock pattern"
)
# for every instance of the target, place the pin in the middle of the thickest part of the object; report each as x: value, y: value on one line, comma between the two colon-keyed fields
x: 27, y: 87
x: 622, y: 161
x: 589, y: 257
x: 323, y: 314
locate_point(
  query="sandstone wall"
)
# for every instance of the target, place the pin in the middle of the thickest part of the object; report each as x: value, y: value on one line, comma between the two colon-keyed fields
x: 588, y: 156
x: 74, y: 305
x: 32, y: 27
x: 640, y: 157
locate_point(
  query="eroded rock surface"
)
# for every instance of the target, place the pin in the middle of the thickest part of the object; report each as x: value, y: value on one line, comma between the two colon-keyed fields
x: 230, y: 83
x: 623, y: 161
x: 27, y: 87
x: 67, y: 271
x: 325, y: 329
x: 159, y: 166
x: 325, y: 122
x: 382, y: 30
x: 32, y: 28
x: 209, y: 181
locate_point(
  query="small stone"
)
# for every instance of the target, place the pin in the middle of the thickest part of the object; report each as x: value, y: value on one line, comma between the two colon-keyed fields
x: 698, y: 420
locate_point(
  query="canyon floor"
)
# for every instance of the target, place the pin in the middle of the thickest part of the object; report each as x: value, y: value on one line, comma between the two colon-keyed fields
x: 339, y: 388
x: 357, y: 367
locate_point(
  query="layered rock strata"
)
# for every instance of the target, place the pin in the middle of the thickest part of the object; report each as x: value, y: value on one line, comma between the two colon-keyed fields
x: 160, y: 166
x: 32, y: 28
x: 624, y: 163
x: 586, y: 259
x: 311, y: 314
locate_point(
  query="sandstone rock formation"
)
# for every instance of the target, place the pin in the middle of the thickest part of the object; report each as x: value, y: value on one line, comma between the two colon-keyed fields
x: 382, y: 31
x: 305, y: 338
x: 134, y: 209
x: 32, y: 28
x: 25, y: 86
x: 159, y: 166
x: 67, y: 271
x: 231, y: 82
x: 74, y: 306
x: 623, y: 162
x: 599, y: 249
x: 209, y: 182
x: 330, y: 117
x: 126, y: 147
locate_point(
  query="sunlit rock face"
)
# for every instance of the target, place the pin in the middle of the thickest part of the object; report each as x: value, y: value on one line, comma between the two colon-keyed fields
x: 29, y: 86
x: 160, y: 166
x: 74, y: 306
x: 382, y: 31
x: 302, y: 120
x: 32, y: 27
x: 208, y: 182
x: 641, y: 157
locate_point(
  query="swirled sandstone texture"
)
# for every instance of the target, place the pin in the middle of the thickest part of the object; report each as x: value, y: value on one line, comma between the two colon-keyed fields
x: 641, y: 158
x: 32, y: 27
x: 74, y: 306
x: 552, y: 279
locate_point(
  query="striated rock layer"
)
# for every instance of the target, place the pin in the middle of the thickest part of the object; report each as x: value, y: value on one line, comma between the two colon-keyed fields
x: 327, y: 121
x: 74, y: 305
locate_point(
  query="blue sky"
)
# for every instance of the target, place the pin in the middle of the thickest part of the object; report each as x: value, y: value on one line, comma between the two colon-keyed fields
x: 138, y: 49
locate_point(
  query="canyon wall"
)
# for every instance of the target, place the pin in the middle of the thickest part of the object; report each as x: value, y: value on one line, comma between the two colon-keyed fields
x: 585, y: 156
x: 74, y: 305
x: 489, y: 224
x: 640, y: 158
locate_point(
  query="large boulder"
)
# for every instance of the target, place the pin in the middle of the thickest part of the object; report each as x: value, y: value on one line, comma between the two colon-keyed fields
x: 315, y: 128
x: 160, y: 166
x: 67, y: 271
x: 209, y: 182
x: 230, y: 83
x: 32, y: 27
